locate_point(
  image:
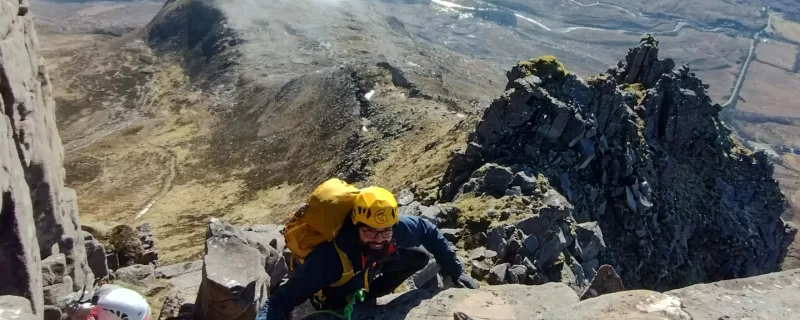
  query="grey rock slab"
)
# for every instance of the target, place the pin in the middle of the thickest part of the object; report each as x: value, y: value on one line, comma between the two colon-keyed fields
x: 16, y: 308
x: 769, y: 296
x: 488, y: 302
x: 138, y: 274
x: 172, y: 271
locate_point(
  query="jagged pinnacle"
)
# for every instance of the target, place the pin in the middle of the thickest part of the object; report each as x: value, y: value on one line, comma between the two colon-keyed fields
x: 648, y: 39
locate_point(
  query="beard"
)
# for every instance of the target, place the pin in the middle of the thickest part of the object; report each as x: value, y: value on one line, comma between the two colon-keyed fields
x: 375, y: 251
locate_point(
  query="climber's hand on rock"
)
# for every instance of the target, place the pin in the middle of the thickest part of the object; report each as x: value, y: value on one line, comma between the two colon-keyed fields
x: 465, y: 281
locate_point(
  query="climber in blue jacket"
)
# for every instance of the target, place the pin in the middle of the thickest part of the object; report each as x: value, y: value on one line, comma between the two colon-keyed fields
x: 374, y: 251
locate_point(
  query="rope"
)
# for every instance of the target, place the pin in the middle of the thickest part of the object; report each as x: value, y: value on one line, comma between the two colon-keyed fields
x: 348, y: 310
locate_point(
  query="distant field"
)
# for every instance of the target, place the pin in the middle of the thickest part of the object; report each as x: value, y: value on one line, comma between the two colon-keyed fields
x: 779, y: 54
x: 771, y: 91
x: 772, y: 133
x: 787, y: 28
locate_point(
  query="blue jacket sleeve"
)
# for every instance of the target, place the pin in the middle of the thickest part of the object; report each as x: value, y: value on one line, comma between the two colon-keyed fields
x: 412, y: 231
x: 314, y: 274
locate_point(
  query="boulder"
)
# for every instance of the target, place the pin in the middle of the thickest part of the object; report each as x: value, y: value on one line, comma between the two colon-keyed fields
x: 605, y: 281
x: 490, y: 255
x: 150, y: 256
x: 234, y: 282
x: 171, y: 307
x: 590, y: 268
x: 536, y: 225
x: 96, y: 257
x: 517, y: 274
x: 590, y: 241
x: 525, y: 182
x: 496, y: 179
x: 405, y: 197
x: 479, y: 270
x: 477, y: 254
x: 497, y: 241
x: 412, y: 209
x: 146, y: 237
x: 555, y: 206
x: 273, y: 260
x: 431, y: 214
x: 16, y: 308
x: 54, y: 268
x: 550, y: 249
x: 128, y: 247
x: 112, y: 260
x: 426, y: 274
x: 575, y: 279
x: 529, y: 265
x: 138, y: 274
x: 530, y: 244
x: 498, y: 274
x: 56, y: 294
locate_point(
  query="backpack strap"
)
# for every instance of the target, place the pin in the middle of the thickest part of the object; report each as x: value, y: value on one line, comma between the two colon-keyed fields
x: 347, y: 272
x: 347, y: 268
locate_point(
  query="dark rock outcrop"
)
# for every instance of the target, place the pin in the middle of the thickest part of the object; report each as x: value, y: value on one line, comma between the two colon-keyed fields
x: 149, y: 251
x: 127, y: 246
x: 605, y: 281
x: 641, y: 152
x: 96, y: 256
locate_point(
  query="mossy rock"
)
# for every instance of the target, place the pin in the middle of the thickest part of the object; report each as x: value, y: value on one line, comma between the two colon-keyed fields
x: 126, y: 243
x: 649, y: 39
x: 545, y: 67
x: 637, y: 89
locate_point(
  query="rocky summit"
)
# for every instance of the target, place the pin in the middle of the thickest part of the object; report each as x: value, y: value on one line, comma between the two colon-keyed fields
x: 647, y: 169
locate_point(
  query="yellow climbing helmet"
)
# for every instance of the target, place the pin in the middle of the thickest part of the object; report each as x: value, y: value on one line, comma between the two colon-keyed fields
x: 375, y: 207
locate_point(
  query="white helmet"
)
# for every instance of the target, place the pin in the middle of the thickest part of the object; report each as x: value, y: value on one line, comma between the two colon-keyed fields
x: 121, y: 304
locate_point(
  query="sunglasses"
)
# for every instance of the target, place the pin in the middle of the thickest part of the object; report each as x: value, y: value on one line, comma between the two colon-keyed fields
x: 372, y: 233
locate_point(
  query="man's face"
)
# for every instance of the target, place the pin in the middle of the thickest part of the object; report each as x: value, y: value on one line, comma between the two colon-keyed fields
x: 375, y: 239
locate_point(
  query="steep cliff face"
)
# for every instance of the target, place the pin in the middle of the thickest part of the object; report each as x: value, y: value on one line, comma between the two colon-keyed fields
x: 641, y: 151
x: 39, y: 217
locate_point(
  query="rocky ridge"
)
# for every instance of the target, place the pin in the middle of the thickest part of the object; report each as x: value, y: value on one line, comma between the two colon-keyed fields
x: 639, y: 164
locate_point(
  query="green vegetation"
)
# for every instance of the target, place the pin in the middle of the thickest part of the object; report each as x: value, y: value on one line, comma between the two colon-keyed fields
x: 649, y: 39
x: 636, y: 89
x: 126, y: 242
x: 545, y: 67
